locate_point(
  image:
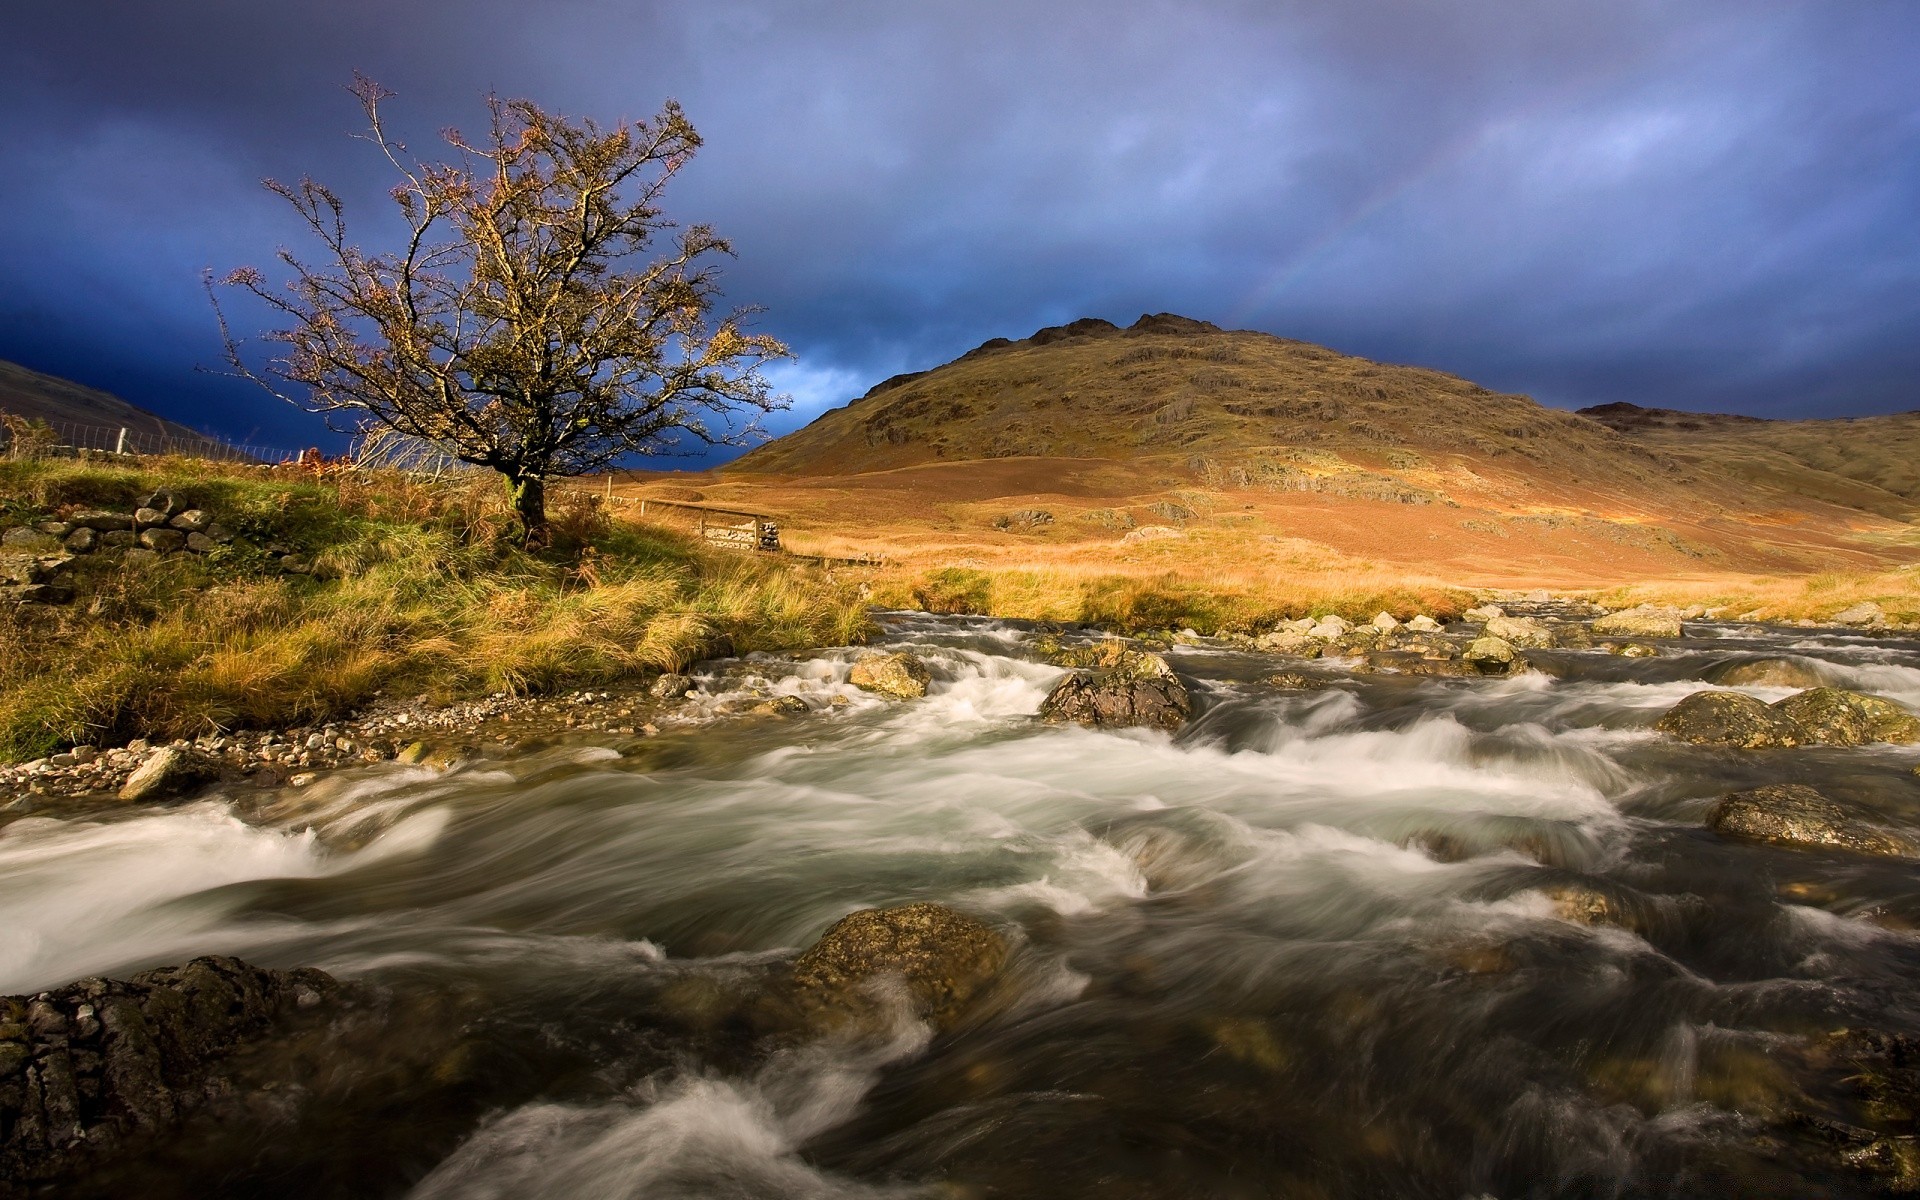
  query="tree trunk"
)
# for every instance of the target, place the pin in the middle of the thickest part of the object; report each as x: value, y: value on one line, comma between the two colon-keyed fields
x: 529, y: 494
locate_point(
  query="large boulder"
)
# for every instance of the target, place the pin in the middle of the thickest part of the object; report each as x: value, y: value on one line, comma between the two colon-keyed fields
x: 1524, y: 632
x: 1133, y: 688
x: 938, y: 958
x: 99, y: 1065
x: 1766, y: 672
x: 1642, y: 622
x: 1794, y: 814
x: 1490, y: 656
x: 1832, y: 717
x: 167, y: 772
x: 901, y: 676
x: 1864, y: 613
x: 1728, y: 719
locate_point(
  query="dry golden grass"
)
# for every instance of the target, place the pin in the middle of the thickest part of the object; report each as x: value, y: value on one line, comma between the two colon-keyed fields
x: 424, y: 597
x: 1813, y: 597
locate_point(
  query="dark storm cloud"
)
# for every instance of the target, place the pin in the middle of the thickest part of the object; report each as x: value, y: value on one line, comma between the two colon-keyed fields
x: 1702, y: 205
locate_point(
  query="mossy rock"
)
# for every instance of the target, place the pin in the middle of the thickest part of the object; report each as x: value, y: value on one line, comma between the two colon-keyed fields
x: 1832, y: 717
x: 901, y: 676
x: 942, y: 958
x: 1794, y: 814
x: 1729, y: 719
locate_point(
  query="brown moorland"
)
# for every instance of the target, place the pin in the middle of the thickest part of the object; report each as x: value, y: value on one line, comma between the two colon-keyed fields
x: 1034, y: 477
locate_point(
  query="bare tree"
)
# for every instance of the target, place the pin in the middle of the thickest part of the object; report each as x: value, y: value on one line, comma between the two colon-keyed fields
x: 524, y: 326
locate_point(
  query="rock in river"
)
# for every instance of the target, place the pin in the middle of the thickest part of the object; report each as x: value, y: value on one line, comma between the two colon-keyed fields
x: 1797, y: 815
x: 1640, y: 622
x: 1729, y: 719
x: 1490, y: 655
x: 942, y: 957
x: 1766, y: 672
x: 172, y: 769
x: 1832, y: 717
x: 1521, y: 631
x: 1137, y: 689
x: 89, y: 1068
x: 901, y: 676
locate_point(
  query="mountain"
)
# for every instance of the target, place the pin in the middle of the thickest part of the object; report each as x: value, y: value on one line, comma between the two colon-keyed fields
x: 62, y: 402
x: 1175, y: 445
x: 1169, y: 385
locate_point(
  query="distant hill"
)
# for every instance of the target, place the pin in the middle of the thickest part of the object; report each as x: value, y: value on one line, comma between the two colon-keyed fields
x: 1870, y: 463
x: 61, y: 401
x: 1171, y: 386
x: 1175, y: 445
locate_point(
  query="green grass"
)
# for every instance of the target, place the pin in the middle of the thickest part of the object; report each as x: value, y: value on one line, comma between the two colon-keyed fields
x: 420, y: 591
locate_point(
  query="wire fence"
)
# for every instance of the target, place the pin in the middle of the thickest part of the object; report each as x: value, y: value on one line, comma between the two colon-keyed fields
x: 120, y: 439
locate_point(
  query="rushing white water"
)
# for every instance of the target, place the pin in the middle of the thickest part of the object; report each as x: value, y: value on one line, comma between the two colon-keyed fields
x: 1331, y: 911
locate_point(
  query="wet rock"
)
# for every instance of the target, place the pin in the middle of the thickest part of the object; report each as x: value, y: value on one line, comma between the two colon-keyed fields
x: 1728, y: 719
x: 1298, y: 681
x: 1633, y: 650
x: 670, y: 687
x: 100, y: 1066
x: 169, y: 771
x: 1832, y: 717
x: 1796, y: 815
x: 781, y: 706
x: 1524, y: 632
x: 1490, y: 656
x: 1643, y: 622
x: 901, y: 676
x: 939, y: 958
x: 1133, y: 688
x: 1766, y: 672
x: 1485, y: 612
x: 1424, y: 624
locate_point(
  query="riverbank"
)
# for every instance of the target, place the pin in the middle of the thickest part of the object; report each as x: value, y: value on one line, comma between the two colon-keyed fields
x: 187, y: 600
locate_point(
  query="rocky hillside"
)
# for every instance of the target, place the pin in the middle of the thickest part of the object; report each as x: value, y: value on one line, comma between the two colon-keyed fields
x: 1262, y: 409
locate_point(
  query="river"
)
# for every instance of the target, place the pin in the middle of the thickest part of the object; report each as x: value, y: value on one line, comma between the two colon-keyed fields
x: 1317, y: 944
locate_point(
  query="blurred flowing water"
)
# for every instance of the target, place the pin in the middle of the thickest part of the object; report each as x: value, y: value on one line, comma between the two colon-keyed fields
x: 1314, y: 945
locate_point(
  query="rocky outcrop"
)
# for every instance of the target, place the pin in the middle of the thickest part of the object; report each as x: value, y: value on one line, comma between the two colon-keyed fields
x: 901, y: 676
x: 1818, y: 716
x: 101, y: 1065
x: 939, y: 959
x: 1796, y: 815
x: 1645, y: 621
x: 1728, y: 719
x: 1130, y: 688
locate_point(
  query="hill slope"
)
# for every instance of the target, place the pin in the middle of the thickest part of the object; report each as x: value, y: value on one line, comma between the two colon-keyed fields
x: 1870, y: 463
x: 61, y: 401
x: 1168, y: 385
x: 1173, y: 446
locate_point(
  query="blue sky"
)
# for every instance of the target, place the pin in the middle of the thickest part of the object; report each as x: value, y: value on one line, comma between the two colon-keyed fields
x: 1699, y: 205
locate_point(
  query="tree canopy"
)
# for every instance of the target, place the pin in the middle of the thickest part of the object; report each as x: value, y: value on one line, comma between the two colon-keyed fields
x: 529, y: 323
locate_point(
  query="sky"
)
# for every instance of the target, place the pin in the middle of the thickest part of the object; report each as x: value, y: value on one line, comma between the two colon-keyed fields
x: 1700, y: 205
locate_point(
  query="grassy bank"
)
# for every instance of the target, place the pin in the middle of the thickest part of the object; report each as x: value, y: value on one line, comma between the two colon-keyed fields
x: 1209, y: 603
x: 1787, y: 598
x: 417, y: 589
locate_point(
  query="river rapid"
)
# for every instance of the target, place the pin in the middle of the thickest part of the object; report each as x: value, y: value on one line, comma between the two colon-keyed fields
x: 1317, y: 944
